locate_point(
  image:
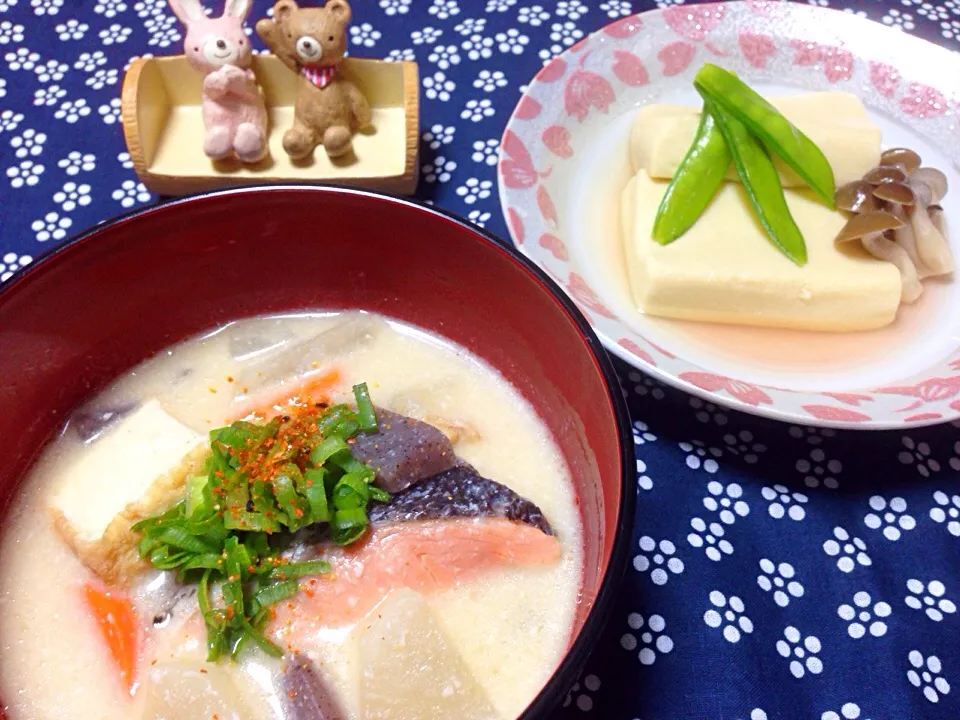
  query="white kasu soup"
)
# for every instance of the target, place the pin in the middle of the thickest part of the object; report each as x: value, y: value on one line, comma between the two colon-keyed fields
x: 417, y: 556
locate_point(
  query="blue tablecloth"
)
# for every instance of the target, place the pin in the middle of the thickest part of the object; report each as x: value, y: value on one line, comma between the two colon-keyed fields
x: 778, y: 571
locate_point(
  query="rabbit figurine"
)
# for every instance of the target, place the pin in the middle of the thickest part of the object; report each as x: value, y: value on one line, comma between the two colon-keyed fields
x: 234, y: 115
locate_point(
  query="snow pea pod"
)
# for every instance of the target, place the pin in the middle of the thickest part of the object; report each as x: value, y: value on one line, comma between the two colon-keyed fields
x: 695, y: 182
x: 726, y: 91
x: 762, y: 184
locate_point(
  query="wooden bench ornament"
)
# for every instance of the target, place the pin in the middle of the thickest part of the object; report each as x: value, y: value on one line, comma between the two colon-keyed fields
x: 219, y: 116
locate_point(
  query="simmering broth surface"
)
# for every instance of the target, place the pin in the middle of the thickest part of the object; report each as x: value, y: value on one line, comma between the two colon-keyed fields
x: 510, y: 626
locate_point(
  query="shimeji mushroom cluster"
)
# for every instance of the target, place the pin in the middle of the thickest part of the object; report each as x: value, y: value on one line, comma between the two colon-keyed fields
x: 897, y: 218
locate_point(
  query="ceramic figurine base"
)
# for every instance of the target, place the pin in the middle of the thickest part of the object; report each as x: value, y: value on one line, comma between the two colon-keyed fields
x: 160, y: 105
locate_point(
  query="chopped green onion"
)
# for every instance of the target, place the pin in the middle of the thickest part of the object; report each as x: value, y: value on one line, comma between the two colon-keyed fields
x: 329, y: 447
x: 296, y: 508
x: 379, y: 495
x: 238, y: 495
x: 351, y: 492
x: 240, y: 433
x: 146, y: 545
x: 365, y: 412
x: 260, y: 618
x: 261, y: 497
x: 233, y: 598
x: 180, y: 538
x: 241, y: 556
x: 213, y: 534
x: 196, y: 495
x: 268, y: 647
x: 349, y: 535
x: 210, y: 561
x: 252, y: 522
x: 216, y: 639
x: 171, y: 561
x: 332, y: 418
x: 218, y: 462
x: 235, y: 558
x: 203, y: 593
x: 348, y: 525
x: 239, y: 642
x: 155, y: 524
x: 346, y: 428
x: 349, y: 464
x: 275, y: 593
x: 252, y: 488
x: 302, y: 569
x: 257, y: 544
x: 317, y: 499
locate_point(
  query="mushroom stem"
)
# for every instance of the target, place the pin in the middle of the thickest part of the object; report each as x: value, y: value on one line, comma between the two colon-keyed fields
x: 883, y: 248
x: 931, y: 245
x: 906, y: 239
x: 897, y: 218
x: 939, y: 221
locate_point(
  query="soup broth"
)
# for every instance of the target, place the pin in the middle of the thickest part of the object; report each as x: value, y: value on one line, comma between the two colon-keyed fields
x: 483, y: 624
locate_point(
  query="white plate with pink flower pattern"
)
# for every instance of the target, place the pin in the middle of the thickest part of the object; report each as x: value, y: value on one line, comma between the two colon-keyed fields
x: 564, y: 162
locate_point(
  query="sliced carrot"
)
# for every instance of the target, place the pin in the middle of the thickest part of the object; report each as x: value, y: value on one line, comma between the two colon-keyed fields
x: 118, y: 625
x: 304, y: 391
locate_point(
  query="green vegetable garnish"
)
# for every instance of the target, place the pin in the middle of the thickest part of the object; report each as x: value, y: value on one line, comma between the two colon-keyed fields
x: 197, y: 497
x: 328, y: 448
x: 261, y: 483
x: 730, y: 94
x: 694, y: 184
x: 275, y: 593
x: 301, y: 569
x: 365, y: 412
x: 761, y: 183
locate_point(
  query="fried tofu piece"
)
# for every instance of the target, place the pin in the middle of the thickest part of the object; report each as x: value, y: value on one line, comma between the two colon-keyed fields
x: 137, y: 469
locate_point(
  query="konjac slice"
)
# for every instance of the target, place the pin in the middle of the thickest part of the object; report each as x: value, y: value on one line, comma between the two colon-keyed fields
x: 305, y: 693
x: 409, y: 669
x: 403, y: 451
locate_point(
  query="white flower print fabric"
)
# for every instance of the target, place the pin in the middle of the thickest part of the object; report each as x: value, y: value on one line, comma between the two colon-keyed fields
x: 774, y: 571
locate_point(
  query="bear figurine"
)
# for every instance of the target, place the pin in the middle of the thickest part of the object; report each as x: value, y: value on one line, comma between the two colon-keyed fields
x: 329, y: 107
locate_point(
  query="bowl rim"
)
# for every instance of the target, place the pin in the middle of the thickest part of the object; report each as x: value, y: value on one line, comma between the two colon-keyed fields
x: 571, y: 665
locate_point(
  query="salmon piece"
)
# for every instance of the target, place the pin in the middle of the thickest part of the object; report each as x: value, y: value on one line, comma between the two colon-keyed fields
x: 425, y: 556
x: 459, y: 492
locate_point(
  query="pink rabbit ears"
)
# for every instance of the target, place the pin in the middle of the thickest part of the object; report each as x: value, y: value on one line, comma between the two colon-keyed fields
x: 190, y: 11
